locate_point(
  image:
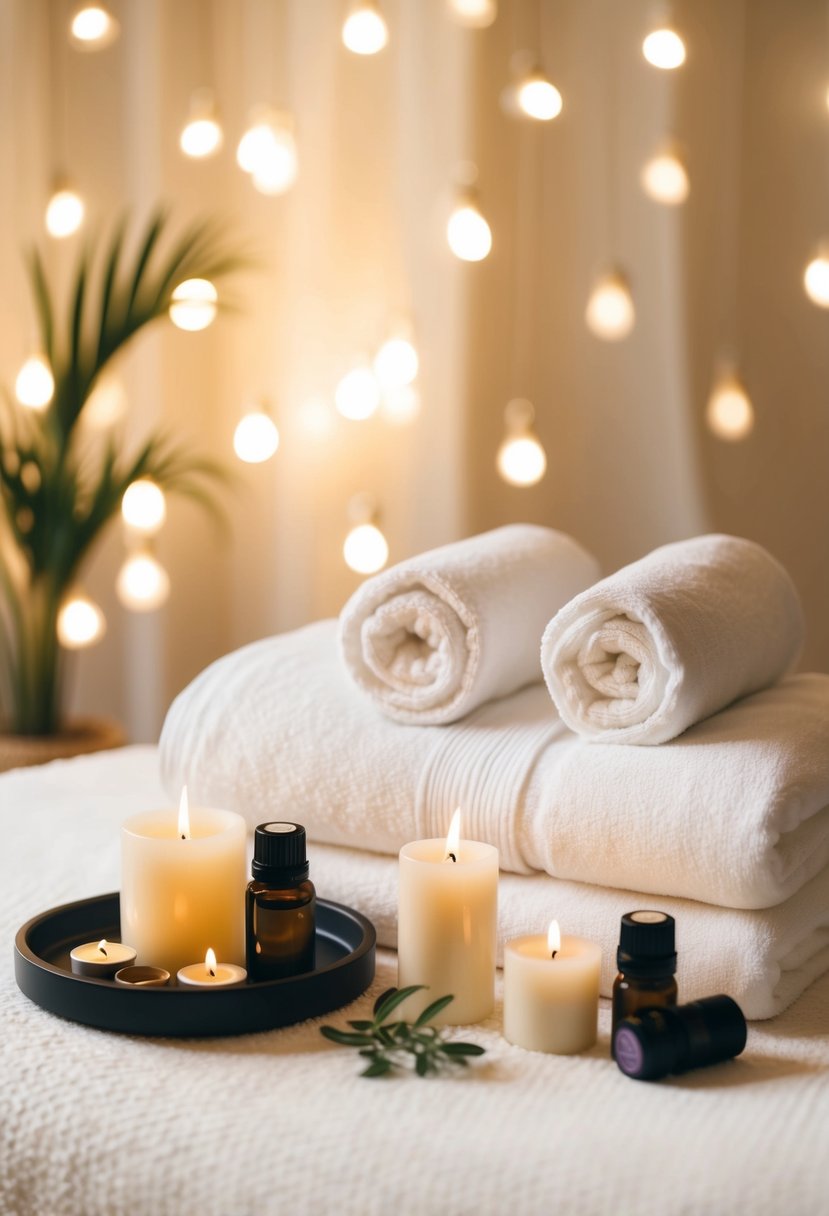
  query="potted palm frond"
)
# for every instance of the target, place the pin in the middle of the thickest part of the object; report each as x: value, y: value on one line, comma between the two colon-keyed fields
x: 56, y: 494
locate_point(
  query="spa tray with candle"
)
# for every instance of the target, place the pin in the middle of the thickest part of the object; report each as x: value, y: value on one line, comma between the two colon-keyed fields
x: 188, y: 925
x: 344, y: 968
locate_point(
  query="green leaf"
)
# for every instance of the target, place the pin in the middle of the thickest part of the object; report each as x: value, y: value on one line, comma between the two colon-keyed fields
x: 345, y: 1037
x: 43, y: 300
x: 462, y: 1049
x: 362, y: 1024
x: 422, y: 1065
x: 389, y: 1001
x: 378, y: 1068
x: 431, y: 1011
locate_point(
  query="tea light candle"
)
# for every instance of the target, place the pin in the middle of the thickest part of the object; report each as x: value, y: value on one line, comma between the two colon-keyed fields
x: 100, y: 960
x: 183, y: 884
x: 551, y: 992
x: 142, y: 977
x: 211, y: 974
x: 447, y: 918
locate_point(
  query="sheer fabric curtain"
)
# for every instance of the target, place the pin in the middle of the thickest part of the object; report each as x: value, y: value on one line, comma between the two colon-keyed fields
x: 360, y: 241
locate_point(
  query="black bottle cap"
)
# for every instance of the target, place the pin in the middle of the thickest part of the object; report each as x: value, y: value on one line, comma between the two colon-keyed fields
x: 279, y: 852
x: 647, y: 947
x: 655, y: 1042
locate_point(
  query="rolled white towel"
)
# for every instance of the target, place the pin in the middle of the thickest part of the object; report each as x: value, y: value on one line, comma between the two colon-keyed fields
x: 434, y: 637
x: 671, y: 639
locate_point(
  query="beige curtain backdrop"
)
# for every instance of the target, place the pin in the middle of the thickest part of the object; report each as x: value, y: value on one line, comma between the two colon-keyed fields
x: 360, y: 241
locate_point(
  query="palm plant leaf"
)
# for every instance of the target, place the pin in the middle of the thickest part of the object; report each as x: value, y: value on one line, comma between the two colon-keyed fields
x: 55, y: 502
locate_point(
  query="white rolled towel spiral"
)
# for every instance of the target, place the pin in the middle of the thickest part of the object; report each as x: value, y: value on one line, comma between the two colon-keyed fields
x: 671, y: 639
x: 431, y: 639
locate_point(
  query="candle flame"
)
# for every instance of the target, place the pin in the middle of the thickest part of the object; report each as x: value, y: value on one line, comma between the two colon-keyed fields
x: 554, y: 938
x: 102, y: 946
x: 453, y: 838
x: 210, y: 962
x: 184, y: 816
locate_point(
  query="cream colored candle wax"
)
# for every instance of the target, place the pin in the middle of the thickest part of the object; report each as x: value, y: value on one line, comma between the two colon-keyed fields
x: 182, y: 885
x: 447, y: 919
x: 551, y: 992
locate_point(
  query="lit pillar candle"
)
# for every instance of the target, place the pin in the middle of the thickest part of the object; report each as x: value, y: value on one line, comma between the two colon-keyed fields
x: 551, y: 992
x: 447, y: 921
x: 182, y: 885
x: 100, y: 960
x: 211, y: 974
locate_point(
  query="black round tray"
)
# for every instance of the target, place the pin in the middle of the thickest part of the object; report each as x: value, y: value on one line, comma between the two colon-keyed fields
x: 345, y: 967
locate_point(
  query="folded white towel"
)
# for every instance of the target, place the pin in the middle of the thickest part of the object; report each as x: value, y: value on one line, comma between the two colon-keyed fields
x: 436, y: 636
x: 736, y: 812
x: 763, y: 959
x: 663, y: 643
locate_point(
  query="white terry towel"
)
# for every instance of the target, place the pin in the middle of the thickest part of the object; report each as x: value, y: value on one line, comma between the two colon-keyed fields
x: 670, y: 639
x: 736, y: 812
x: 764, y: 959
x: 434, y: 637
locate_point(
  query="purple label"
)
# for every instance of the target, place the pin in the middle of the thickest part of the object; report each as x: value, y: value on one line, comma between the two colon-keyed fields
x: 629, y: 1055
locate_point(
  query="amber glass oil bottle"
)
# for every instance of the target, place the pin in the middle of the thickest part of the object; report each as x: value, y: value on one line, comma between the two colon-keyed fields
x: 280, y: 904
x: 646, y: 959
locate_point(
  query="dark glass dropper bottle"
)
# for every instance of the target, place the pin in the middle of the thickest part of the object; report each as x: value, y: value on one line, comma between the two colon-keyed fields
x: 647, y: 961
x: 280, y: 904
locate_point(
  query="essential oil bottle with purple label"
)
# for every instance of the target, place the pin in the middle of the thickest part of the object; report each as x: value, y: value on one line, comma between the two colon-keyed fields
x: 280, y: 905
x: 646, y: 959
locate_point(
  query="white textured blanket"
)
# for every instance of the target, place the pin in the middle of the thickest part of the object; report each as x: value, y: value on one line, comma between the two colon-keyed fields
x: 93, y: 1124
x: 436, y: 636
x: 670, y: 639
x: 734, y: 812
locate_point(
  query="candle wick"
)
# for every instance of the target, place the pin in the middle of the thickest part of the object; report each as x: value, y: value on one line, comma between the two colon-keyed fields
x: 103, y: 950
x: 212, y: 972
x: 555, y: 952
x: 450, y: 857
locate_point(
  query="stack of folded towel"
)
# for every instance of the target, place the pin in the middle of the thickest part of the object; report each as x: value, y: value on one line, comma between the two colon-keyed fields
x: 427, y: 695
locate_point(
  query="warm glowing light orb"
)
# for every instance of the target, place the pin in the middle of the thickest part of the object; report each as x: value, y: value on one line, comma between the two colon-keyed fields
x: 357, y: 396
x: 200, y: 138
x: 256, y: 437
x: 64, y: 213
x: 476, y: 14
x: 93, y: 27
x: 396, y: 363
x: 364, y: 30
x: 539, y: 98
x: 610, y: 314
x: 365, y: 550
x: 730, y: 414
x: 35, y: 384
x: 664, y: 49
x: 80, y: 622
x: 468, y: 233
x: 142, y: 584
x: 267, y: 151
x: 194, y: 304
x: 521, y: 460
x: 665, y: 179
x: 144, y: 507
x: 816, y: 281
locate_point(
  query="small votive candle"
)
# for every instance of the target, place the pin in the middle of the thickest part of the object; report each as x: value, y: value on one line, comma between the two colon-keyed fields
x: 211, y: 974
x: 551, y: 992
x: 142, y: 977
x: 447, y: 920
x: 100, y: 960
